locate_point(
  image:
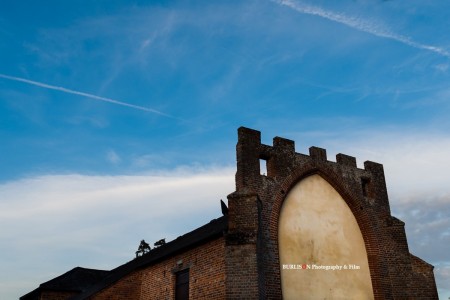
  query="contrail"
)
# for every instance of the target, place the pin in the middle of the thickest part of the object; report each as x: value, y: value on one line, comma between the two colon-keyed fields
x: 64, y: 90
x: 359, y: 24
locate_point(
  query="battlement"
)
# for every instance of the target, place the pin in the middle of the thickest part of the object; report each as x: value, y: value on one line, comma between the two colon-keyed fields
x: 249, y: 144
x: 256, y: 205
x: 281, y: 160
x: 250, y: 147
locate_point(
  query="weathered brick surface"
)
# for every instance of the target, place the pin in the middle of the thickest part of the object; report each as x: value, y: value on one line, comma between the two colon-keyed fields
x: 241, y: 246
x: 127, y: 288
x: 395, y: 275
x: 206, y: 265
x: 424, y: 285
x: 206, y: 273
x: 242, y: 272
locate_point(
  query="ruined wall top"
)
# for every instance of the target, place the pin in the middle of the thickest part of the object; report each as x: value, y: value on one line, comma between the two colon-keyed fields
x: 281, y: 160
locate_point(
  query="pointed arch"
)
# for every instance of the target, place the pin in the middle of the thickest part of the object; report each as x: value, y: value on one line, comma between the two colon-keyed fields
x: 354, y: 203
x: 317, y: 228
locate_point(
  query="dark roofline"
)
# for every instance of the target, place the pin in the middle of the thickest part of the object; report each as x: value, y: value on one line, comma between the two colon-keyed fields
x: 49, y: 284
x: 34, y: 294
x: 213, y: 230
x: 55, y: 283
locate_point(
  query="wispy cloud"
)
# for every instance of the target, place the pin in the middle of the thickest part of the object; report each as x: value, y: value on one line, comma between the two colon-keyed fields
x: 403, y: 152
x: 97, y: 221
x: 91, y: 96
x: 359, y: 24
x: 113, y: 157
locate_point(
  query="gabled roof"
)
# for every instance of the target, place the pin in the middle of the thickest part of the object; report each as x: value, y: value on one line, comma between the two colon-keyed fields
x: 76, y: 280
x: 214, y: 229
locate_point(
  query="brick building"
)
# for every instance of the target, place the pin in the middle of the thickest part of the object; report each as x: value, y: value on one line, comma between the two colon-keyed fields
x: 308, y: 229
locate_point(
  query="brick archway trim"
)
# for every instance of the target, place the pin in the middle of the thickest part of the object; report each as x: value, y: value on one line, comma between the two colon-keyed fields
x: 353, y: 201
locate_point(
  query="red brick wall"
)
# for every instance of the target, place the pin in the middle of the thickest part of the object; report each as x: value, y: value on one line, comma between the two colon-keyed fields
x: 206, y: 265
x: 242, y: 272
x: 241, y: 251
x: 127, y: 288
x: 425, y: 285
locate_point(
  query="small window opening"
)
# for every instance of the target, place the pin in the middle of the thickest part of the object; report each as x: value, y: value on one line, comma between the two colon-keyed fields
x: 182, y: 285
x: 365, y: 186
x: 263, y: 167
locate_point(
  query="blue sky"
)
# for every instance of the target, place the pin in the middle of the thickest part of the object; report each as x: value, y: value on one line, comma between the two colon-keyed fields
x: 115, y: 115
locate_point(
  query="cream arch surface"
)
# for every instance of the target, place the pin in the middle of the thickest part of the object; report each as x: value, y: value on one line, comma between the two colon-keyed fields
x: 316, y: 231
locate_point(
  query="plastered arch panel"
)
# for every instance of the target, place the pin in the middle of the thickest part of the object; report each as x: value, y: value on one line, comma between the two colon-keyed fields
x: 317, y: 233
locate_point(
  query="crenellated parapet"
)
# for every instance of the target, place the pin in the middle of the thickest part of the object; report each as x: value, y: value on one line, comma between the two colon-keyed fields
x: 256, y: 204
x: 281, y: 160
